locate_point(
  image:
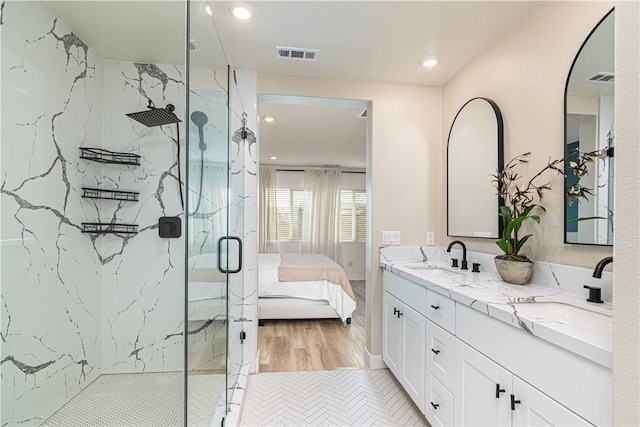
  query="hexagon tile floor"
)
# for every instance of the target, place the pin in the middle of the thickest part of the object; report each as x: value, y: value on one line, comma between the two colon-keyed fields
x: 141, y: 400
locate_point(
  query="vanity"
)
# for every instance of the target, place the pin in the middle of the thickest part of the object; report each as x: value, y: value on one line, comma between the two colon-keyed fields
x: 470, y: 349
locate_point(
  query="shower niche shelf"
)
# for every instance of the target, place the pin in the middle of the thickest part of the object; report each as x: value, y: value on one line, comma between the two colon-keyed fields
x: 109, y: 227
x: 105, y: 156
x: 99, y: 193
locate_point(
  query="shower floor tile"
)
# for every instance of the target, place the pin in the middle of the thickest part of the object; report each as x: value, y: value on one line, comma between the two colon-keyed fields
x: 141, y: 400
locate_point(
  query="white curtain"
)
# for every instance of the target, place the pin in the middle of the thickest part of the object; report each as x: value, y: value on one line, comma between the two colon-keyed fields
x: 267, y: 208
x: 208, y: 223
x: 321, y: 230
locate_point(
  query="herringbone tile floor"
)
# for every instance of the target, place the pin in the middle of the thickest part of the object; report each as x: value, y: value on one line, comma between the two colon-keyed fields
x: 328, y: 398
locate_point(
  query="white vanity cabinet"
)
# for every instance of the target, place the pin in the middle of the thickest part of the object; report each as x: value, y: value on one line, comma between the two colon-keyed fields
x: 466, y: 368
x: 489, y: 395
x: 404, y: 334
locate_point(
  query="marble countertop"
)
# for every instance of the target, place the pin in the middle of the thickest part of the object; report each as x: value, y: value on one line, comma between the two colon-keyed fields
x: 556, y: 316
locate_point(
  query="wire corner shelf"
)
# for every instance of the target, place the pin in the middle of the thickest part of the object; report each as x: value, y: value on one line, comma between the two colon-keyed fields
x: 105, y: 156
x: 101, y: 193
x: 109, y: 227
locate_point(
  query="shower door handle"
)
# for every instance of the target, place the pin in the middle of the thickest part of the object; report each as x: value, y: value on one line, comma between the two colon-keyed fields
x: 226, y: 270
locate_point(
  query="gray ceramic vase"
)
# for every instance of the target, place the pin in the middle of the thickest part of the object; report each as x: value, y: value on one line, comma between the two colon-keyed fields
x: 516, y: 272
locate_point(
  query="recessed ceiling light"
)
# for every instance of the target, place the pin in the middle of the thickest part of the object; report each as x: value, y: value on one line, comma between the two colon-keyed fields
x: 208, y: 10
x: 430, y: 61
x: 273, y: 157
x: 241, y: 11
x: 269, y: 119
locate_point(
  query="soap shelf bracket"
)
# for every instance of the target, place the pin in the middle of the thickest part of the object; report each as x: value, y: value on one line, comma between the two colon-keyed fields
x: 99, y: 193
x: 105, y: 156
x: 109, y: 227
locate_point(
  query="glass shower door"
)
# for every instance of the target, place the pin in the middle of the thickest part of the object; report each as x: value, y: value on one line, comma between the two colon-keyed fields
x: 212, y: 247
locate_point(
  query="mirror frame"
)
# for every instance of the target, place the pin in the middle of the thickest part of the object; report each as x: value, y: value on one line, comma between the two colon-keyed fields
x: 564, y: 139
x: 500, y: 161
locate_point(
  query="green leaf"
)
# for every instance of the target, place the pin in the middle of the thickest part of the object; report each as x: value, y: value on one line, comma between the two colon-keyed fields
x: 503, y: 245
x: 505, y: 214
x: 521, y: 242
x: 586, y: 218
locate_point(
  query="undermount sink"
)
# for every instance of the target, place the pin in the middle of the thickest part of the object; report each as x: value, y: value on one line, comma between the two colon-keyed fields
x: 432, y: 267
x: 559, y: 311
x: 591, y: 325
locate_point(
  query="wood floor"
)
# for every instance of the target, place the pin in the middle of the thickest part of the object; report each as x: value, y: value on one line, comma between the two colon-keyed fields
x: 314, y: 345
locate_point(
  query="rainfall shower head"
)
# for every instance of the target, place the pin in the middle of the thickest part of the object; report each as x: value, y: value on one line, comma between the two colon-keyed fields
x: 156, y: 116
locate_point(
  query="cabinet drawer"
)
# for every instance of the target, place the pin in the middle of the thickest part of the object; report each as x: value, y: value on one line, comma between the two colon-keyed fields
x: 441, y: 311
x: 440, y: 354
x: 438, y: 408
x: 414, y: 295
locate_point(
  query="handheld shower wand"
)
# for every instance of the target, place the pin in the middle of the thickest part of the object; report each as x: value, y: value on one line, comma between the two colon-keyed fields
x: 200, y: 119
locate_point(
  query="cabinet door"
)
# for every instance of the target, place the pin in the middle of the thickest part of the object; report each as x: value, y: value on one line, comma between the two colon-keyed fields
x: 478, y: 396
x: 440, y: 354
x: 537, y: 409
x: 392, y: 337
x: 413, y: 362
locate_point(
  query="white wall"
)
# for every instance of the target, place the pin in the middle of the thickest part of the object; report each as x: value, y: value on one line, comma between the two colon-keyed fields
x: 626, y: 316
x: 544, y: 44
x: 404, y: 166
x: 525, y: 73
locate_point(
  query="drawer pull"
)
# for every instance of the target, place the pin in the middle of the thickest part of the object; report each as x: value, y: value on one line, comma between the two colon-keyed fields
x: 498, y: 391
x: 514, y: 402
x: 435, y: 405
x: 399, y: 314
x: 435, y: 307
x: 438, y: 352
x: 395, y: 311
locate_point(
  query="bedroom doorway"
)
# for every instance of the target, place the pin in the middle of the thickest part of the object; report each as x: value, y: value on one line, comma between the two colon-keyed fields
x: 312, y: 170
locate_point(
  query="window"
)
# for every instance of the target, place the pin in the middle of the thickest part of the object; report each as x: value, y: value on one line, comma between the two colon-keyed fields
x: 353, y: 216
x: 291, y: 208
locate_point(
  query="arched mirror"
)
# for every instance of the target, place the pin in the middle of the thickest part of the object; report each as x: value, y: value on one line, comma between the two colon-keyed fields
x: 589, y: 127
x: 474, y: 154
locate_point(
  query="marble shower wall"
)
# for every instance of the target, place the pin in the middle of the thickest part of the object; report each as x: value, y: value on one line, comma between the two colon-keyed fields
x: 50, y: 272
x: 75, y: 305
x: 143, y: 275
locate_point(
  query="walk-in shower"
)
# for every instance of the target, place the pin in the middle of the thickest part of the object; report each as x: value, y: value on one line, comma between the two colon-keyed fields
x: 115, y: 324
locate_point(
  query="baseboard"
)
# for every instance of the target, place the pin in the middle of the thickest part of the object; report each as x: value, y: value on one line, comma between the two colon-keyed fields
x: 374, y: 360
x: 256, y: 364
x: 354, y: 276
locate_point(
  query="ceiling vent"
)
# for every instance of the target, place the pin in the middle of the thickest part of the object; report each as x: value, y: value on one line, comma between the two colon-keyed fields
x: 296, y: 53
x: 602, y: 77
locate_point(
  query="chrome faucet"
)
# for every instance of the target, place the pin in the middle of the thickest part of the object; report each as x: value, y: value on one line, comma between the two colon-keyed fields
x: 464, y: 253
x: 597, y: 272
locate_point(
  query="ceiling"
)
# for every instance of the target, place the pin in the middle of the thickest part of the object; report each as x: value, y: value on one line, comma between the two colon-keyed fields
x: 310, y: 132
x: 596, y: 56
x: 380, y: 41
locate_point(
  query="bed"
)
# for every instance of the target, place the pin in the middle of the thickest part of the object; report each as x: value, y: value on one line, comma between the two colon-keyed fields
x: 303, y: 286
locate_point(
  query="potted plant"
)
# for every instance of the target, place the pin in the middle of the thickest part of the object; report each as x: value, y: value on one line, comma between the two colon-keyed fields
x: 519, y: 206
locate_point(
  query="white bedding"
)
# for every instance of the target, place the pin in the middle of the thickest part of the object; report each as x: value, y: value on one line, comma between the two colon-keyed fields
x: 270, y: 286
